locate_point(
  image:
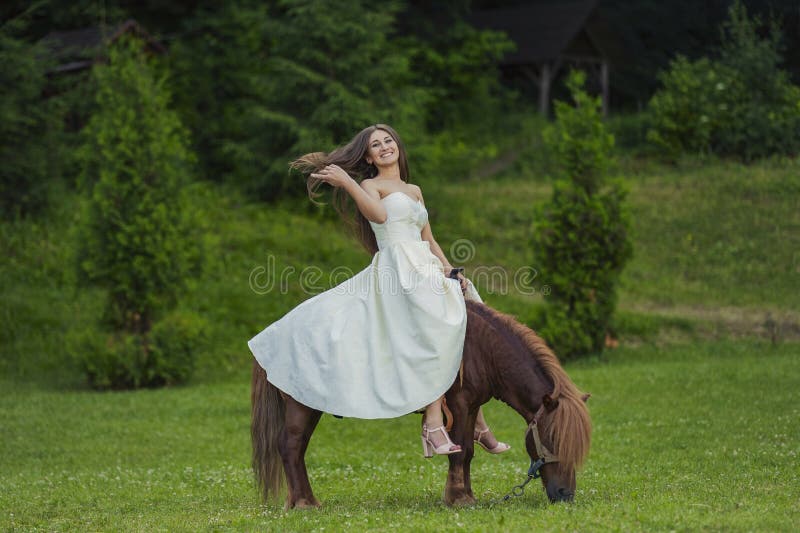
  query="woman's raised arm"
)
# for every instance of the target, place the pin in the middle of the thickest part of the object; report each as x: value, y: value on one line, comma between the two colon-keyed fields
x: 366, y: 196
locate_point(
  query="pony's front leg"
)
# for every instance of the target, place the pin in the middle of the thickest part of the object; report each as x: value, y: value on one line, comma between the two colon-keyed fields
x: 292, y: 445
x: 458, y: 490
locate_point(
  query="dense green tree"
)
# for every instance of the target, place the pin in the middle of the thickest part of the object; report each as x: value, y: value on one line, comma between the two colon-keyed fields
x: 29, y: 124
x: 647, y: 34
x: 766, y: 105
x: 456, y: 62
x: 264, y: 87
x: 219, y: 85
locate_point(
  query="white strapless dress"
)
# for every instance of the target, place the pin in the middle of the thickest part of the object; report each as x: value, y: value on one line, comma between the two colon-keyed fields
x: 384, y: 343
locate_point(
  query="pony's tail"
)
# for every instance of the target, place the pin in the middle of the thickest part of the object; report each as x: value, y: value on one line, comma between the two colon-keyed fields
x: 267, y: 421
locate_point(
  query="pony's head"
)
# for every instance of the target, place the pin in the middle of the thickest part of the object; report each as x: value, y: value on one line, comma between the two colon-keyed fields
x: 531, y: 380
x: 557, y: 441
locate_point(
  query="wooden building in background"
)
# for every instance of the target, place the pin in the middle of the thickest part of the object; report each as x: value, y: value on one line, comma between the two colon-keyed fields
x: 71, y: 55
x: 551, y: 38
x: 77, y: 50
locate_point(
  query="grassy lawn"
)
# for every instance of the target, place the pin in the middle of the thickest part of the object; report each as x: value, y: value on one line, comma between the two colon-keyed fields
x: 702, y: 436
x: 715, y: 235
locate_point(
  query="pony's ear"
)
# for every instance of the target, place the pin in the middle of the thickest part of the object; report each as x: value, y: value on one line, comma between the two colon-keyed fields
x: 549, y: 403
x: 586, y: 397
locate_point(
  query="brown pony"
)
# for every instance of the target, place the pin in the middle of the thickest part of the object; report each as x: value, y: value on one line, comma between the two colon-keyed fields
x: 502, y: 359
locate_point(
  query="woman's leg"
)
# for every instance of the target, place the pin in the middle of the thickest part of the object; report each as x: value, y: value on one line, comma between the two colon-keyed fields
x: 434, y: 419
x: 480, y: 425
x: 487, y: 439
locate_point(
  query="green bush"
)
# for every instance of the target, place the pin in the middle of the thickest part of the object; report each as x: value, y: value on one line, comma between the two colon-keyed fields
x: 123, y: 360
x: 139, y: 237
x: 176, y: 339
x: 580, y: 238
x: 579, y: 140
x: 741, y: 104
x: 110, y: 360
x: 694, y: 104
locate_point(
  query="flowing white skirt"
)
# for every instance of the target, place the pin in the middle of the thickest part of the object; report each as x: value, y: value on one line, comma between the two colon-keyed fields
x: 384, y: 343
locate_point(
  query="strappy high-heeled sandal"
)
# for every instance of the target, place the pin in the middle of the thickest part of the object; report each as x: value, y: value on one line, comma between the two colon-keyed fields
x: 500, y: 448
x: 429, y: 448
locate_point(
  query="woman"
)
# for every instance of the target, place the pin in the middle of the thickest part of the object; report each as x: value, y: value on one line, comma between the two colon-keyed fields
x: 388, y: 341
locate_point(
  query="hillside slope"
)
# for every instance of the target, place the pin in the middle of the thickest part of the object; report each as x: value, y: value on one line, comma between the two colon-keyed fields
x: 717, y: 252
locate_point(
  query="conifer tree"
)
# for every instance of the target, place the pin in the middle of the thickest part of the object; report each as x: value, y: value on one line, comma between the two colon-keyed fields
x: 581, y: 238
x: 137, y: 242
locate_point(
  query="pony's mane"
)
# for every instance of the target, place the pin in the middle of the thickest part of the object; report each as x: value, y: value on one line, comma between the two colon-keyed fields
x: 568, y: 425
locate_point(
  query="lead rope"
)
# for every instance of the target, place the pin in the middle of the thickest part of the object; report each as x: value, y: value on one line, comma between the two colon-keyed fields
x: 518, y: 490
x: 534, y: 471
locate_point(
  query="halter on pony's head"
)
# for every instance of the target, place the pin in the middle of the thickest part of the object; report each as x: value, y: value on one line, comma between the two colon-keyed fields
x: 543, y: 453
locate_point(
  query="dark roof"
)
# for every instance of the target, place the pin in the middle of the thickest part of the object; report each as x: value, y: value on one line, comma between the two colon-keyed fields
x: 543, y: 32
x: 77, y: 49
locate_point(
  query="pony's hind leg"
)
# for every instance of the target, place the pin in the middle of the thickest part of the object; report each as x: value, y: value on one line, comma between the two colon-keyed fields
x: 292, y: 444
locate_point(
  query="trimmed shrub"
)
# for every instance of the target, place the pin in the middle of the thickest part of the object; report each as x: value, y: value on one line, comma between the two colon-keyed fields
x: 139, y: 240
x: 580, y: 238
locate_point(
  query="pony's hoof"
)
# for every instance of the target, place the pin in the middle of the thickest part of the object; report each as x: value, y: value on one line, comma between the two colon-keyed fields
x: 302, y: 503
x: 461, y: 499
x: 464, y: 501
x: 307, y: 504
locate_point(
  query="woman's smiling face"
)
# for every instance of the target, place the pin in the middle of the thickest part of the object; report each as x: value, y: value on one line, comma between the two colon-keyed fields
x: 382, y: 149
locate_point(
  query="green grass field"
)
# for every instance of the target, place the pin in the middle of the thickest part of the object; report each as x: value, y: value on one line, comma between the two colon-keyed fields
x: 695, y: 415
x: 693, y: 437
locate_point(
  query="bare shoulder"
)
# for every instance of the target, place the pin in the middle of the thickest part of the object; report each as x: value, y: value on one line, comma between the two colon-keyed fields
x: 418, y: 190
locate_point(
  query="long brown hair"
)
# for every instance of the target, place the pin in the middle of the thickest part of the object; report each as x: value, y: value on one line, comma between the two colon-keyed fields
x: 352, y: 159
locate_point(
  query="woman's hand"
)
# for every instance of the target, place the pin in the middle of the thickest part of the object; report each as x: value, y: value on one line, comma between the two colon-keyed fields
x: 463, y: 281
x: 460, y: 276
x: 333, y: 175
x: 366, y: 197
